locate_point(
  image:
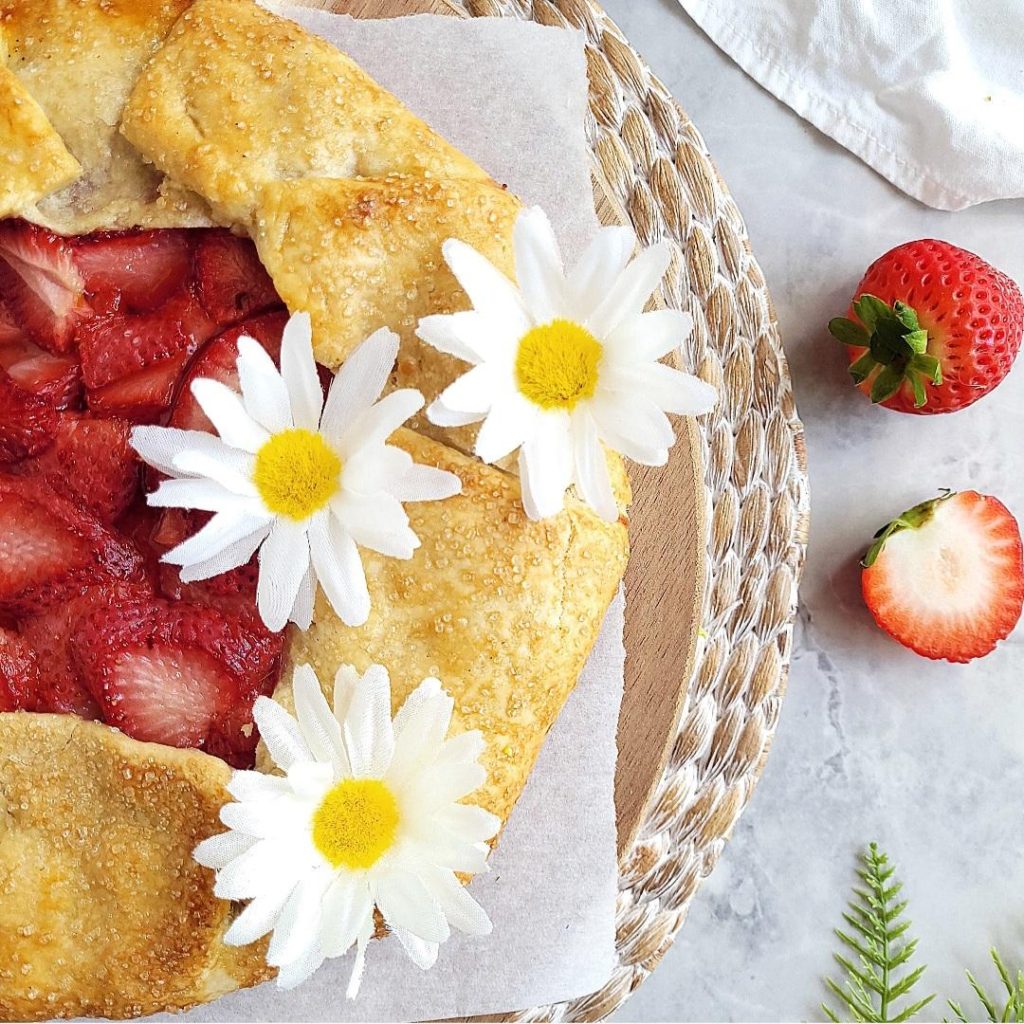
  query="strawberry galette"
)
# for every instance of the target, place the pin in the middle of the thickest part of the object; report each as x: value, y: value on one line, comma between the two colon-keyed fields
x: 284, y: 617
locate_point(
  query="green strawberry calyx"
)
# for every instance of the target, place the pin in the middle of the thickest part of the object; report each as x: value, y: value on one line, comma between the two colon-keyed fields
x: 896, y: 346
x: 912, y: 519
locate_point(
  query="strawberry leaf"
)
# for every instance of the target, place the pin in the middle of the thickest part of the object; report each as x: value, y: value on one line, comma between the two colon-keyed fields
x: 848, y: 332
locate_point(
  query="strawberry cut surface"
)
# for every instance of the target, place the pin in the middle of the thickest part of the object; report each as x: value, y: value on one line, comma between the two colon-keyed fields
x: 134, y: 271
x: 233, y: 284
x: 98, y: 333
x: 946, y: 578
x: 41, y: 284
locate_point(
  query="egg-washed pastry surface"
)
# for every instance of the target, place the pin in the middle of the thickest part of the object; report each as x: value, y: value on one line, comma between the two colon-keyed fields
x: 103, y: 911
x: 503, y: 610
x: 238, y: 97
x: 79, y: 59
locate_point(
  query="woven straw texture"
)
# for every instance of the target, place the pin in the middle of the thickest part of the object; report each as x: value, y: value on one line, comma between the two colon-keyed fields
x: 659, y: 171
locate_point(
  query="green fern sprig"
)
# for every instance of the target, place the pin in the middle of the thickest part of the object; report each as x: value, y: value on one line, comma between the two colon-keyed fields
x: 1013, y: 1008
x: 882, y: 975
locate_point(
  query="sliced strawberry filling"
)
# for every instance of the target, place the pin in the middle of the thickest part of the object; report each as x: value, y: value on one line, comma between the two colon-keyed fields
x: 98, y: 333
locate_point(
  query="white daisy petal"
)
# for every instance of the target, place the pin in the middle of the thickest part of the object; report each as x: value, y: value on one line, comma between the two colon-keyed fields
x: 510, y: 423
x: 160, y: 446
x: 263, y: 819
x: 487, y: 287
x: 320, y: 728
x: 246, y: 876
x: 260, y: 916
x: 299, y: 373
x: 368, y: 730
x: 456, y: 334
x: 420, y: 728
x: 378, y: 423
x: 632, y: 426
x: 592, y: 479
x: 359, y: 962
x: 339, y: 569
x: 422, y: 954
x: 473, y: 392
x: 359, y: 382
x: 546, y: 466
x: 280, y: 733
x: 205, y: 495
x: 593, y: 277
x: 284, y: 561
x: 310, y: 780
x: 301, y: 969
x: 405, y: 902
x: 223, y: 530
x: 305, y: 600
x: 469, y: 823
x: 231, y: 467
x: 264, y: 393
x: 346, y: 682
x: 298, y: 926
x: 377, y: 522
x: 670, y: 389
x: 226, y: 411
x: 218, y: 851
x: 229, y: 557
x: 441, y: 416
x: 539, y: 268
x: 649, y: 336
x: 347, y: 907
x: 461, y: 910
x: 632, y: 290
x: 252, y: 785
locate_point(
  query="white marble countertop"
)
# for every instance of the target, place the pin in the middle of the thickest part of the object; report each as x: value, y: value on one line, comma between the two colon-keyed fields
x: 874, y: 743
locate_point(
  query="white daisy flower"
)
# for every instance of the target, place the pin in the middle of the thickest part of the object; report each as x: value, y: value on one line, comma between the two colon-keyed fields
x: 368, y: 814
x: 303, y: 480
x: 564, y: 363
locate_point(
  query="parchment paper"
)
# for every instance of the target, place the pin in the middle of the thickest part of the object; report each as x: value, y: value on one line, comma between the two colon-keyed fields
x: 513, y: 96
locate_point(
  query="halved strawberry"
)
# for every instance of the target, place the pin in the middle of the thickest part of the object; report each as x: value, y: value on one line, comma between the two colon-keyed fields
x: 134, y: 271
x: 233, y: 284
x: 27, y: 423
x: 91, y: 461
x: 57, y: 379
x: 41, y: 284
x: 118, y: 345
x: 19, y: 673
x: 10, y: 329
x: 51, y: 548
x: 946, y: 578
x: 176, y: 674
x: 218, y: 359
x: 143, y: 397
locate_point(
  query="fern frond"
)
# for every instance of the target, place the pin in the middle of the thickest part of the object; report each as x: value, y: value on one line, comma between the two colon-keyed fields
x: 882, y: 976
x: 1011, y: 1010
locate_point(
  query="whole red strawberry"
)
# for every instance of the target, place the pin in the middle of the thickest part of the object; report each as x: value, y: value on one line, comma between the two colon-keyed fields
x: 932, y: 328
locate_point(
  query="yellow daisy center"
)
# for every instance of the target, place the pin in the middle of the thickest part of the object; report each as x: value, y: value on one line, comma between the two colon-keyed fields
x: 356, y: 824
x: 557, y: 364
x: 297, y: 473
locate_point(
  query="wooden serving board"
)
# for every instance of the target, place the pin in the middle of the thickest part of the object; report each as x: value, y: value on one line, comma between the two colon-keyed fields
x: 666, y: 575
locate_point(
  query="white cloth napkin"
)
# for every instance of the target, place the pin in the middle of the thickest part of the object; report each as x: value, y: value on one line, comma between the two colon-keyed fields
x: 930, y: 93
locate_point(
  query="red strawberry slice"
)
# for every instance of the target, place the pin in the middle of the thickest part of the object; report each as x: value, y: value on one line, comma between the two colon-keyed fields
x: 51, y: 549
x: 91, y: 461
x: 143, y: 397
x: 57, y: 379
x: 10, y: 329
x: 52, y: 633
x: 19, y: 673
x: 946, y: 578
x: 27, y: 423
x: 41, y: 284
x: 118, y: 345
x: 175, y: 674
x: 233, y: 284
x: 134, y: 271
x: 218, y: 359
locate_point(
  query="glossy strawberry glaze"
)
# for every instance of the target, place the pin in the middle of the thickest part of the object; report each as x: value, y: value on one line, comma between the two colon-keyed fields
x: 99, y: 333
